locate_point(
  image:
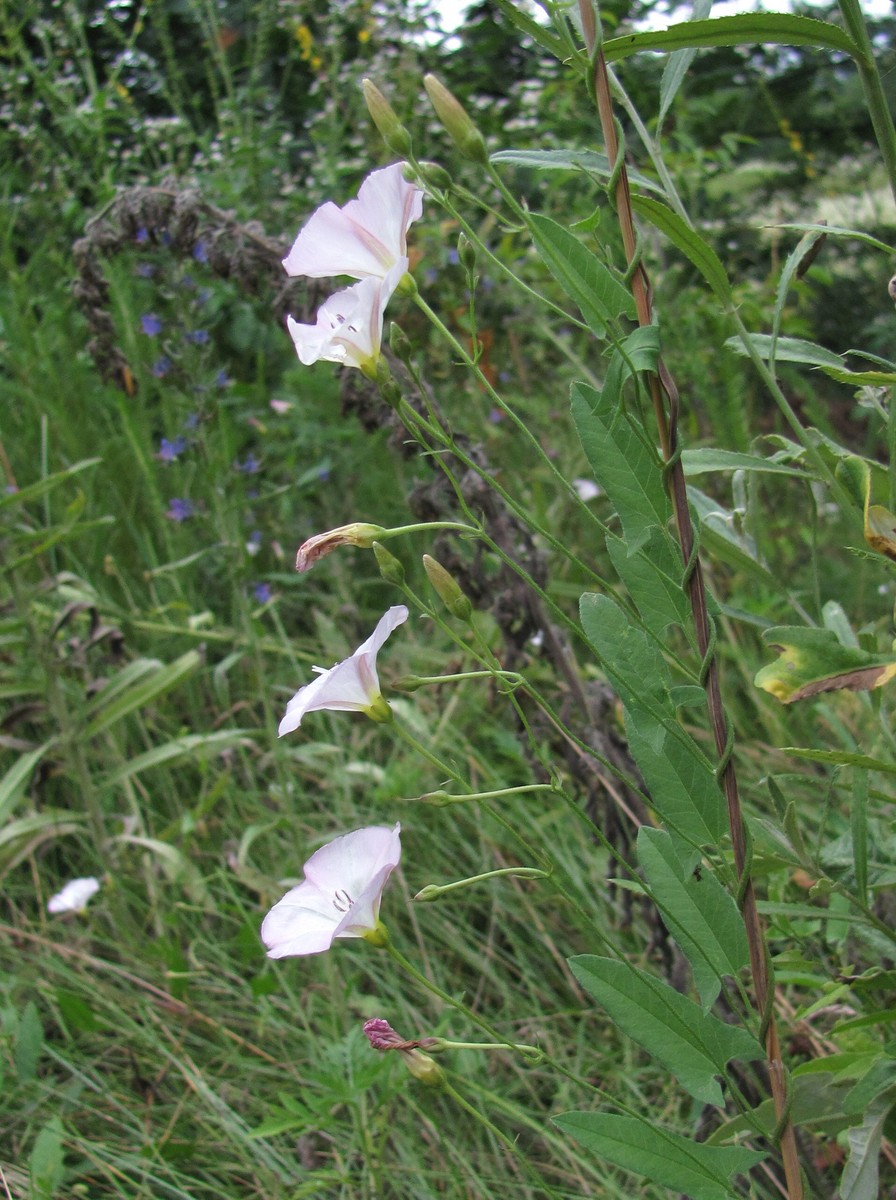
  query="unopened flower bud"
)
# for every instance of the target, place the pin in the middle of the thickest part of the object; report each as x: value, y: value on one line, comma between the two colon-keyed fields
x: 356, y: 534
x: 400, y: 343
x: 466, y: 252
x: 382, y: 1036
x: 435, y: 176
x: 390, y: 567
x: 454, y: 117
x: 447, y: 589
x: 386, y: 119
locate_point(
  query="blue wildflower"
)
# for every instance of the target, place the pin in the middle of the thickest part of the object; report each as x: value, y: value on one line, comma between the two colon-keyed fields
x: 145, y: 270
x: 150, y: 324
x: 169, y: 450
x: 200, y: 253
x: 250, y: 465
x: 161, y: 366
x: 199, y: 337
x: 142, y: 235
x: 180, y: 510
x: 262, y: 592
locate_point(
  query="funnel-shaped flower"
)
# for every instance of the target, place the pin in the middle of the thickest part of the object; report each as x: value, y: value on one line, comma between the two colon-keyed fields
x: 74, y: 896
x: 365, y: 238
x: 352, y: 685
x: 349, y: 328
x: 339, y: 896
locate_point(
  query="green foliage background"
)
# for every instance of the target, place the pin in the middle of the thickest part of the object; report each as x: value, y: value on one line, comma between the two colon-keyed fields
x: 149, y: 1048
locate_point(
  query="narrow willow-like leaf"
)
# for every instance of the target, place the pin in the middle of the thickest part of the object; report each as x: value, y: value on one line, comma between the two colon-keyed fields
x: 694, y: 1046
x: 788, y: 349
x: 633, y: 662
x: 701, y: 916
x: 107, y: 711
x: 34, y: 491
x: 706, y: 458
x: 739, y: 30
x: 842, y: 758
x: 682, y: 786
x: 591, y: 161
x: 15, y: 781
x: 724, y: 540
x: 195, y: 746
x: 652, y: 577
x: 861, y: 1175
x: 698, y: 1171
x: 677, y: 65
x: 623, y: 462
x: 838, y: 231
x: 599, y: 295
x: 688, y: 241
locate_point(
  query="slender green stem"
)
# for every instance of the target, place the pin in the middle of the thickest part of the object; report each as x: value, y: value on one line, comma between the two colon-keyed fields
x: 875, y: 97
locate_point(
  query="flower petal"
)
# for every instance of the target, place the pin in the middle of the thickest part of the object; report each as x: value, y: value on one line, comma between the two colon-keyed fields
x: 352, y: 685
x: 304, y: 921
x: 74, y: 896
x: 364, y: 238
x: 351, y: 861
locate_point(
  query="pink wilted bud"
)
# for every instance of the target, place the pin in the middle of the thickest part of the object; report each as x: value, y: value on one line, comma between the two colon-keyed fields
x: 382, y: 1036
x: 357, y: 534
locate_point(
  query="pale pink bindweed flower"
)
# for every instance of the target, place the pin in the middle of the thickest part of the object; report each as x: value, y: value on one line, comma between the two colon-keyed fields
x: 339, y: 896
x: 349, y: 327
x: 366, y: 237
x: 352, y: 685
x: 74, y: 896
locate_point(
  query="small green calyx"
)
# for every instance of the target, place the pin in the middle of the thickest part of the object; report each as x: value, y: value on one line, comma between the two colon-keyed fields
x: 378, y: 936
x: 379, y: 711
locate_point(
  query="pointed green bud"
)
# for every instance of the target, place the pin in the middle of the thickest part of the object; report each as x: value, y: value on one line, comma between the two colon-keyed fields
x: 447, y: 589
x: 386, y: 119
x: 400, y: 344
x: 454, y: 117
x: 390, y: 567
x: 466, y: 252
x: 435, y: 176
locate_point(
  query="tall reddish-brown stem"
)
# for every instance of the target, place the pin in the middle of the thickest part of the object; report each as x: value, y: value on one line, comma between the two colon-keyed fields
x: 665, y: 403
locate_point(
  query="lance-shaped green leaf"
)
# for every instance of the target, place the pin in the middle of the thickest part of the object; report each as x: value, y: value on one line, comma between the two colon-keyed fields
x: 701, y: 916
x: 703, y: 459
x: 591, y: 161
x: 682, y: 786
x: 632, y: 661
x: 788, y: 349
x: 687, y: 240
x: 693, y: 1045
x: 678, y: 63
x: 623, y: 460
x: 699, y: 1171
x: 146, y: 679
x: 599, y: 295
x: 811, y: 661
x: 653, y: 579
x: 740, y: 30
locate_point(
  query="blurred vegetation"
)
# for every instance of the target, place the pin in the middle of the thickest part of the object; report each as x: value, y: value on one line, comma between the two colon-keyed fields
x: 152, y: 627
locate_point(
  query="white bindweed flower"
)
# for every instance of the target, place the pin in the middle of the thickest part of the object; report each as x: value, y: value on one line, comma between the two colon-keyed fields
x: 352, y: 685
x: 74, y: 896
x: 349, y: 328
x: 339, y: 896
x: 365, y: 238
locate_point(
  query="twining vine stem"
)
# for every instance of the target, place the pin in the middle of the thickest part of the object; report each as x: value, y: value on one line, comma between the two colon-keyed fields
x: 664, y: 395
